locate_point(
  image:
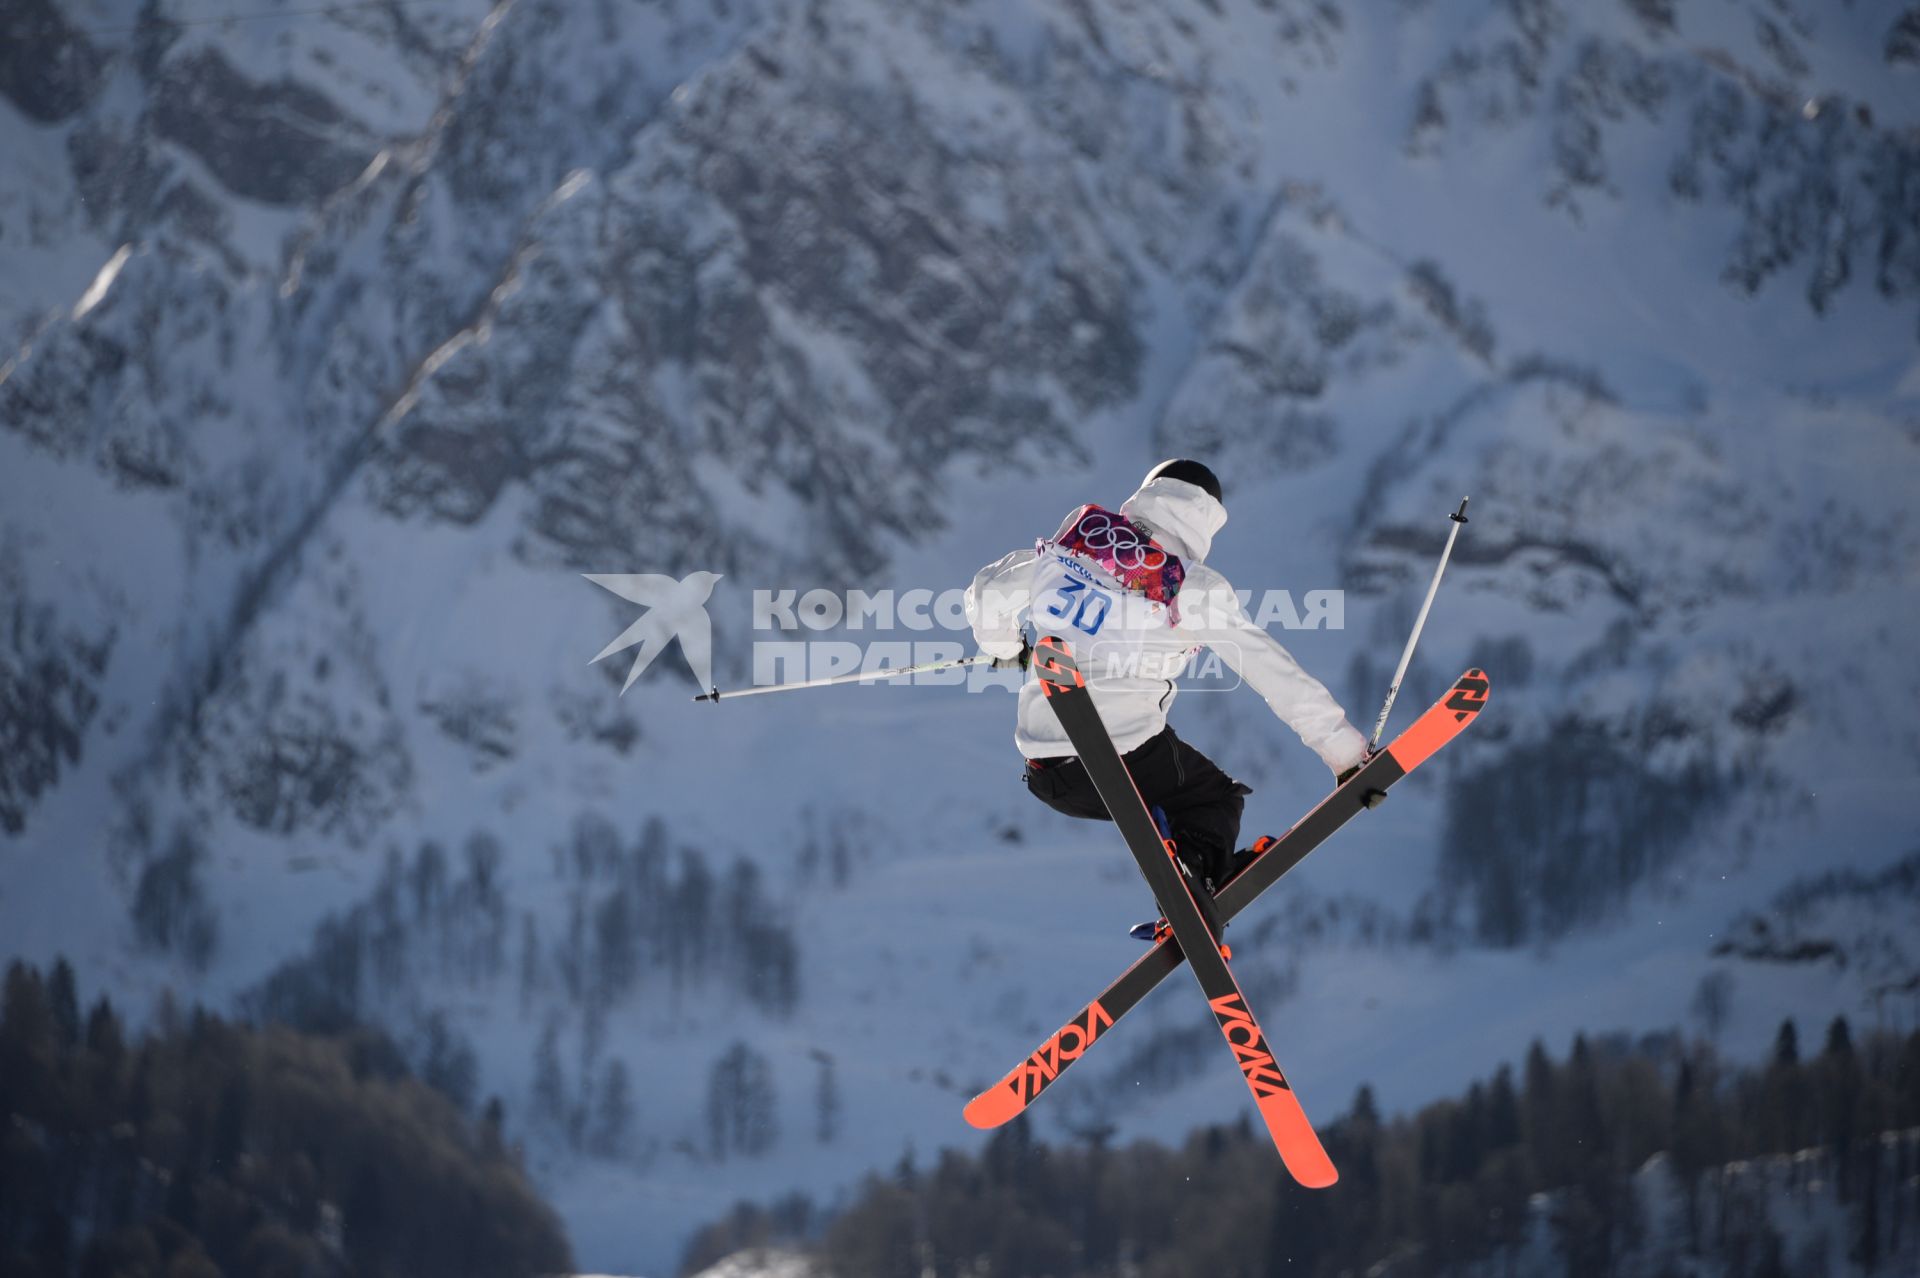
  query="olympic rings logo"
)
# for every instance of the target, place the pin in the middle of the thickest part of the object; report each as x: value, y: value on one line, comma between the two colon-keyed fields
x: 1119, y: 542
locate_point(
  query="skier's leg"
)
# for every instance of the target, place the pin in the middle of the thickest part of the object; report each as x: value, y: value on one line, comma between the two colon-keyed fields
x: 1199, y: 803
x: 1203, y: 804
x: 1063, y: 785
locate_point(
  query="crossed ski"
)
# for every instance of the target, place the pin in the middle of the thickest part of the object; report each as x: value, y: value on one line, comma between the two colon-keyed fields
x: 1293, y: 1135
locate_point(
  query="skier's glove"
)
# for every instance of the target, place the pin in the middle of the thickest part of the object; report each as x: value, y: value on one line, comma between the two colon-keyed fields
x: 1341, y: 778
x: 1018, y: 662
x: 1372, y: 798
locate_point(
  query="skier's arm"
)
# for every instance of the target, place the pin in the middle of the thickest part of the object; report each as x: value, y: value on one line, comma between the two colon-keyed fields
x: 996, y: 604
x: 1301, y: 701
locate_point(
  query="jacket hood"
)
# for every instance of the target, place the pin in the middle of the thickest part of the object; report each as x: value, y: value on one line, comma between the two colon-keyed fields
x: 1182, y: 517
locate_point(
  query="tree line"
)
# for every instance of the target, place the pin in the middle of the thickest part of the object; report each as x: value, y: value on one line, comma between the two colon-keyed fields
x: 643, y: 918
x: 205, y: 1146
x: 1539, y: 848
x: 1447, y: 1190
x: 642, y: 910
x: 639, y: 912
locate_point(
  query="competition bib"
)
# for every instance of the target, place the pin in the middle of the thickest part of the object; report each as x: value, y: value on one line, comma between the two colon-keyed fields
x: 1107, y: 588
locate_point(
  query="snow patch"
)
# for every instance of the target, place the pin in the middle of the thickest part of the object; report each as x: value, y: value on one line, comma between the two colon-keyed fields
x: 97, y: 291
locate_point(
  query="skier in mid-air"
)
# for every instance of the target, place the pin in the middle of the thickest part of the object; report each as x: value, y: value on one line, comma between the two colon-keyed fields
x: 1133, y: 592
x: 1120, y: 602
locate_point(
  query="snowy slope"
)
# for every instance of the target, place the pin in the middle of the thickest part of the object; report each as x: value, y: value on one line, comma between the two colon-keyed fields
x: 298, y: 489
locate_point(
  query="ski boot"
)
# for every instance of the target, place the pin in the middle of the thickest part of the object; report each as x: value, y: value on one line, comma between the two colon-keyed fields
x: 1245, y: 857
x: 1153, y: 931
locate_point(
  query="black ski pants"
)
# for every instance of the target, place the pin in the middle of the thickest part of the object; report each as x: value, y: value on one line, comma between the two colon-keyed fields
x: 1202, y: 803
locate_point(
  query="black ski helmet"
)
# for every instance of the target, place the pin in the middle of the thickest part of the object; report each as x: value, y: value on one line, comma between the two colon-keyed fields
x: 1186, y: 469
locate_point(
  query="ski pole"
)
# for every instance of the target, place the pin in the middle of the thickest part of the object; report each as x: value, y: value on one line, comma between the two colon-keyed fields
x: 858, y: 676
x: 1458, y: 517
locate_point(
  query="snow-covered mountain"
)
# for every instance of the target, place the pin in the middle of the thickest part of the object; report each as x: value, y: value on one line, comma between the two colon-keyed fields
x: 339, y: 345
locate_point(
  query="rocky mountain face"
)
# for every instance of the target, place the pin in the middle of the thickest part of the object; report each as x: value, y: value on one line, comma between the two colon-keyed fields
x: 338, y: 344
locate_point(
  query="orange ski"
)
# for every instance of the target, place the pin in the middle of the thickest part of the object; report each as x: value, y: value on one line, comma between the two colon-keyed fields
x: 1287, y: 1123
x: 1445, y: 720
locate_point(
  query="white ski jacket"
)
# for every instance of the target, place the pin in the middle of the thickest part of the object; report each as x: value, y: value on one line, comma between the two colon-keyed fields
x: 1183, y: 518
